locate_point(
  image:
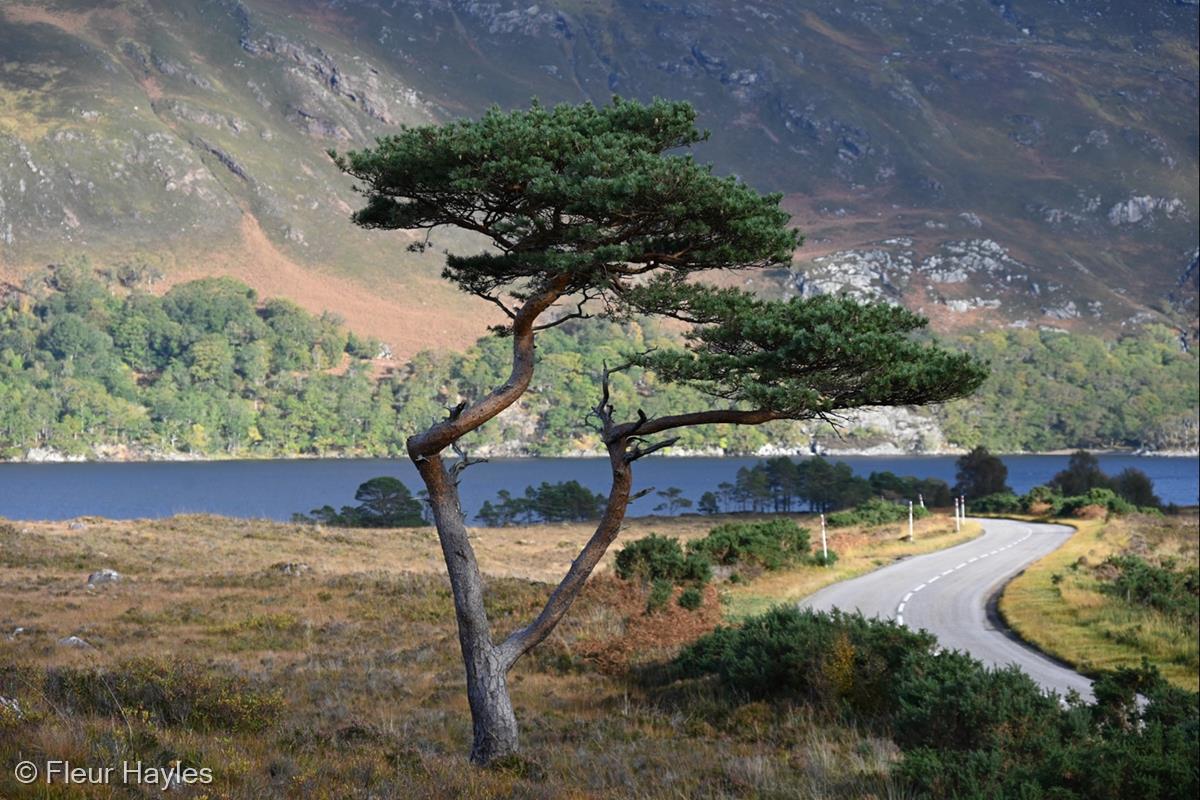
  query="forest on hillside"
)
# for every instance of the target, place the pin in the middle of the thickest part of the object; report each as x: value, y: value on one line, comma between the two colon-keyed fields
x: 92, y: 362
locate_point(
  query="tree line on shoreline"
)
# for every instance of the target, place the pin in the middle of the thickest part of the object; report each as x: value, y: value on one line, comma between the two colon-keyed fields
x: 90, y: 358
x: 783, y: 485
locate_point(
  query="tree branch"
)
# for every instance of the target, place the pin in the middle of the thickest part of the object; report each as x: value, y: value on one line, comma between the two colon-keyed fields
x: 440, y: 435
x: 578, y: 313
x: 524, y: 639
x: 462, y: 463
x: 645, y: 427
x: 637, y: 451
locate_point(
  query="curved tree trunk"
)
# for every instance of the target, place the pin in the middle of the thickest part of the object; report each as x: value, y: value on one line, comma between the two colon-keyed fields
x: 487, y: 664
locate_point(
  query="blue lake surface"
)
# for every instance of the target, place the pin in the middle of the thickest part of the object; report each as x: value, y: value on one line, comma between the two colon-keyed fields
x: 277, y: 489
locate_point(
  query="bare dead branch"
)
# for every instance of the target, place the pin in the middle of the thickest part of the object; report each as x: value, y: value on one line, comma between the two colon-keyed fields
x: 496, y: 301
x: 462, y: 463
x: 578, y: 313
x: 637, y: 451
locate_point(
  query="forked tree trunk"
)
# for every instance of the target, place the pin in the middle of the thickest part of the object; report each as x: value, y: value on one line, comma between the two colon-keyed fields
x: 487, y: 664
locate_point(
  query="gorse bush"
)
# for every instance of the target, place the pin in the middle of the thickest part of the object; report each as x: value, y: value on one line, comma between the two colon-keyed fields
x: 690, y: 598
x: 656, y: 558
x: 874, y: 512
x: 660, y: 594
x: 1000, y: 503
x: 1045, y: 500
x: 169, y: 692
x: 822, y: 659
x: 1165, y: 587
x: 770, y: 544
x: 966, y: 730
x: 1105, y: 498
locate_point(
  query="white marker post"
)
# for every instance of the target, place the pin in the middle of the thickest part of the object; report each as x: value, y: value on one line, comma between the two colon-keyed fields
x: 921, y: 499
x: 957, y: 519
x: 824, y: 546
x: 910, y: 520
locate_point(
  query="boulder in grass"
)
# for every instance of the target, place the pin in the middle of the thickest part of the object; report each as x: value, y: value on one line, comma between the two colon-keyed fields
x: 75, y: 643
x: 102, y: 577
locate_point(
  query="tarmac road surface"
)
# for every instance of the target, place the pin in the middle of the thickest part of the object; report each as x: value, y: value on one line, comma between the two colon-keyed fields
x: 951, y: 593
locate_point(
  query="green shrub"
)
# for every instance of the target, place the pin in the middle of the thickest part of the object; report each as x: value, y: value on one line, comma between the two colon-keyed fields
x: 660, y: 593
x: 1003, y: 503
x: 819, y: 658
x: 661, y: 558
x: 170, y: 692
x: 771, y: 544
x: 874, y: 512
x: 827, y: 559
x: 1175, y: 592
x: 965, y: 730
x: 1106, y: 498
x: 690, y: 598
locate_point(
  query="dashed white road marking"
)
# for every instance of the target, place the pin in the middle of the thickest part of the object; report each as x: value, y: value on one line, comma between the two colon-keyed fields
x: 908, y: 596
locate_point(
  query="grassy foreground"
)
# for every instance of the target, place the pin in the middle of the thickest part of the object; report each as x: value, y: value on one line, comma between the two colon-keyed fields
x: 293, y: 661
x: 1059, y: 605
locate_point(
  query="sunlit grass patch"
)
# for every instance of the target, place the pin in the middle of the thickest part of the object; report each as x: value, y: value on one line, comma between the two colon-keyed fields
x: 1061, y: 603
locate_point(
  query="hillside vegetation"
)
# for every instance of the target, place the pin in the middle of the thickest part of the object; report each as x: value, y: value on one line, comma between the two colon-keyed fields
x: 988, y: 162
x: 93, y: 365
x: 293, y: 661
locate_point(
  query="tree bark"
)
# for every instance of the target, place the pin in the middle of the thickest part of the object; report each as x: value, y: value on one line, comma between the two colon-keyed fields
x: 525, y: 639
x: 494, y: 723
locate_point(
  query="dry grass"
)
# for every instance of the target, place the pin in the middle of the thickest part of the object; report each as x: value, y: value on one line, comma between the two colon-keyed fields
x: 1057, y: 603
x: 358, y: 654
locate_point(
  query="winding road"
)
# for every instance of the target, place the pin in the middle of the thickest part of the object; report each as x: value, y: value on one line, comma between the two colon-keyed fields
x: 949, y: 594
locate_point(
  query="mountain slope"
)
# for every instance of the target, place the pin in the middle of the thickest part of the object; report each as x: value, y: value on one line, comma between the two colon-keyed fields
x: 1030, y: 163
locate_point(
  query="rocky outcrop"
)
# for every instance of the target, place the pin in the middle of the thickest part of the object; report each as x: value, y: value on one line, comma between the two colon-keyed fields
x: 871, y: 274
x: 1142, y: 208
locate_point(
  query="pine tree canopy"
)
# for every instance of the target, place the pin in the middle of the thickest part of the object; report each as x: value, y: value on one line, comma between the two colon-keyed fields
x: 800, y: 358
x: 582, y: 202
x: 588, y: 192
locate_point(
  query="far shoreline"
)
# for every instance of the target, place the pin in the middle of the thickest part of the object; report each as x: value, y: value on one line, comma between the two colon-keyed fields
x: 55, y: 458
